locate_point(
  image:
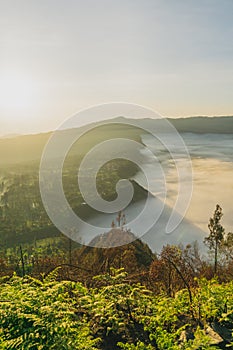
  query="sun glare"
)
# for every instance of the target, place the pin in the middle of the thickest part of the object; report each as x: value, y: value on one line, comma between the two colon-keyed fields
x: 16, y: 94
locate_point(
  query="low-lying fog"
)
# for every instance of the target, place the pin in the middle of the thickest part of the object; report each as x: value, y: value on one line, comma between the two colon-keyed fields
x: 212, y: 165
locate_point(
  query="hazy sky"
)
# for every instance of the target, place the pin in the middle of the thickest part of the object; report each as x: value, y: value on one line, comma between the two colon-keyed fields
x: 58, y: 56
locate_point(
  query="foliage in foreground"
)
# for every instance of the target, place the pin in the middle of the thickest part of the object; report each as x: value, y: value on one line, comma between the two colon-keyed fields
x: 116, y: 315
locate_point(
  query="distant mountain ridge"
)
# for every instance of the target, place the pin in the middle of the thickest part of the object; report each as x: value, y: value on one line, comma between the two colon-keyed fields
x: 204, y: 125
x: 198, y: 125
x: 30, y: 147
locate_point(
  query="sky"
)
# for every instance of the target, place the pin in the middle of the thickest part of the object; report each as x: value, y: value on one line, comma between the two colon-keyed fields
x: 60, y: 56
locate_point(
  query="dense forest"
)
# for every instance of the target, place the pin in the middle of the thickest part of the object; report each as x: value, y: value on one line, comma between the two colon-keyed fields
x: 78, y: 297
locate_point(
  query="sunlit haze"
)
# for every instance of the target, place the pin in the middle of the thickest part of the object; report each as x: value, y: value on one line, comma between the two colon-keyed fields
x: 58, y: 57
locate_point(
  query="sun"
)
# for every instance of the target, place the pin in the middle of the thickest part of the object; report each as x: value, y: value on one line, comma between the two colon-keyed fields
x: 17, y: 94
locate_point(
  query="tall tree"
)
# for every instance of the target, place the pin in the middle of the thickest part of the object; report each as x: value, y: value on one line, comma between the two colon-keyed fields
x: 216, y: 236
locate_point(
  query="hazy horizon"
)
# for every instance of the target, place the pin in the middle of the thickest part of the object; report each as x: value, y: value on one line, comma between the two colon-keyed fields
x: 12, y: 135
x: 59, y: 57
